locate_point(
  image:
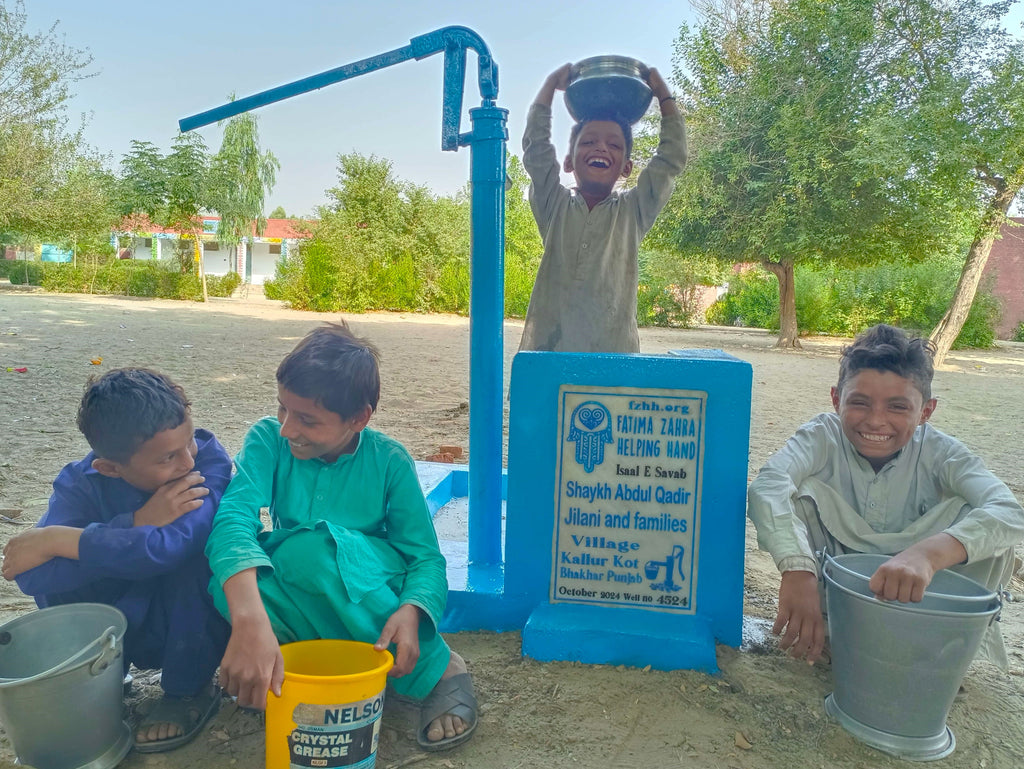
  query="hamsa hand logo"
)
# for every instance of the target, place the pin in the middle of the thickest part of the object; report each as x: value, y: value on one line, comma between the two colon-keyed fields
x: 590, y: 428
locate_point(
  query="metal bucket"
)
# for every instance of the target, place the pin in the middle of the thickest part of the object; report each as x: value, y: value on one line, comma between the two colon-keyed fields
x: 897, y: 667
x: 61, y: 684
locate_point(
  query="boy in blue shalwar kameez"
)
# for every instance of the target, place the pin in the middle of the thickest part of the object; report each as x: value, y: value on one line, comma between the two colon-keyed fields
x: 126, y: 526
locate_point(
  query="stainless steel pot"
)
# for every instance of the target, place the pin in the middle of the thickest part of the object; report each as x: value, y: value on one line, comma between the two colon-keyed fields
x: 608, y: 88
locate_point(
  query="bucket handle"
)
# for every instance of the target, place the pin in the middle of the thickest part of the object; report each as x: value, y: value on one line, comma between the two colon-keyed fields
x: 826, y: 559
x: 109, y: 637
x: 109, y: 653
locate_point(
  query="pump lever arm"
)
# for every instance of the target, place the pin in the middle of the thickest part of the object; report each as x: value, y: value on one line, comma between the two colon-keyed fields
x: 453, y: 41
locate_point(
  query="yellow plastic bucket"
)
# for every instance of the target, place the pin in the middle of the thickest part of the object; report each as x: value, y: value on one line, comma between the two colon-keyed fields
x: 328, y: 714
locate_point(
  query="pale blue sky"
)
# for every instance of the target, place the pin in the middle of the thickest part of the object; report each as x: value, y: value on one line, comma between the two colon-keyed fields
x: 158, y: 62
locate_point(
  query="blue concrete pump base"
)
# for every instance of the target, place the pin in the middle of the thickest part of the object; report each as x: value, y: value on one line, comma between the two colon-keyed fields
x: 603, y: 636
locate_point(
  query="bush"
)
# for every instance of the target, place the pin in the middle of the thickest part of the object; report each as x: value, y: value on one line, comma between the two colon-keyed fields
x: 668, y: 294
x: 129, y: 277
x: 752, y: 300
x: 25, y: 273
x: 1018, y: 335
x: 843, y: 301
x: 223, y: 285
x: 520, y: 275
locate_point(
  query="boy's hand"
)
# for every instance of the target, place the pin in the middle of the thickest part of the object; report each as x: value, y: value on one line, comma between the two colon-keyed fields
x: 172, y: 500
x: 556, y: 81
x: 252, y: 664
x: 657, y: 84
x: 559, y: 79
x: 800, y: 615
x: 906, y: 575
x: 402, y: 630
x: 902, y: 578
x: 37, y: 546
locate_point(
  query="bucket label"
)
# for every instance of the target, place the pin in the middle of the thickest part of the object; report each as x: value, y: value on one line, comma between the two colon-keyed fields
x: 628, y: 497
x: 336, y: 735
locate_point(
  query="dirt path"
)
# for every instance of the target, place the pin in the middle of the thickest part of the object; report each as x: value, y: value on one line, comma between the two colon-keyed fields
x: 533, y: 714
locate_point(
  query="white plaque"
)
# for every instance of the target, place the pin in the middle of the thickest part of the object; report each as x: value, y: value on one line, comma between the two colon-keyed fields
x: 627, y: 497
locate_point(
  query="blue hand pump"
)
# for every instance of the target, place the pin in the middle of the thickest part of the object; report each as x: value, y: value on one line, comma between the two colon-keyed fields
x: 486, y: 141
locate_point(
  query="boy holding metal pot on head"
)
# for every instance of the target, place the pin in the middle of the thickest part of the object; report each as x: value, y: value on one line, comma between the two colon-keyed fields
x: 585, y: 295
x: 876, y: 477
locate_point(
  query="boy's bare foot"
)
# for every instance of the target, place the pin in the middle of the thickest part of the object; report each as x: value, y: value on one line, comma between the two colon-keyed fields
x: 448, y: 726
x: 175, y: 721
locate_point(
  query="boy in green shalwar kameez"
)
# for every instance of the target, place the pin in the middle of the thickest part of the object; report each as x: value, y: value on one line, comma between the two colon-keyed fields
x: 352, y: 553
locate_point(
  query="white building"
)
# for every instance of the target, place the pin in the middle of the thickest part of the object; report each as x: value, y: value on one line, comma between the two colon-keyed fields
x: 254, y: 259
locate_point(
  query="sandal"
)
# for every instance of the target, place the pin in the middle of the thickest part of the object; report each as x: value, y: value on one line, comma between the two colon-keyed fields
x: 189, y: 714
x: 454, y: 696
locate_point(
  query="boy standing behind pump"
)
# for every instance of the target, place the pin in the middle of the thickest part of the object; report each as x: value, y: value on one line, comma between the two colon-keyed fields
x: 584, y: 298
x: 126, y: 526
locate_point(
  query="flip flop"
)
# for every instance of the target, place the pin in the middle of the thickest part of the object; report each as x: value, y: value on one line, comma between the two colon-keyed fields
x: 454, y: 696
x: 190, y: 714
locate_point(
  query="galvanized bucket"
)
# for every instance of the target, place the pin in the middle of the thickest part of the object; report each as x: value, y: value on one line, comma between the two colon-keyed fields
x: 896, y: 666
x: 61, y: 686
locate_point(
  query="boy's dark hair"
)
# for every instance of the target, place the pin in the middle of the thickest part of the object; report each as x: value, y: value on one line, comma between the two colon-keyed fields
x: 335, y: 368
x: 126, y: 407
x: 886, y: 348
x: 627, y: 132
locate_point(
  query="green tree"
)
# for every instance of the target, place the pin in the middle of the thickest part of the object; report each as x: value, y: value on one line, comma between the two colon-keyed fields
x: 523, y: 246
x: 34, y: 161
x: 797, y: 154
x: 381, y: 243
x: 241, y: 176
x: 142, y: 188
x: 84, y: 208
x: 36, y: 70
x: 188, y: 170
x: 37, y: 150
x: 278, y: 213
x: 967, y: 117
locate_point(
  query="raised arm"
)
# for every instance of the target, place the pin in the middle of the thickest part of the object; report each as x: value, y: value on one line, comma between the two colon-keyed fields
x: 662, y: 93
x: 654, y: 185
x: 994, y: 524
x: 556, y: 81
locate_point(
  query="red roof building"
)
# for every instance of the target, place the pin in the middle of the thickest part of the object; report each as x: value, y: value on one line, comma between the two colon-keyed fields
x: 254, y: 259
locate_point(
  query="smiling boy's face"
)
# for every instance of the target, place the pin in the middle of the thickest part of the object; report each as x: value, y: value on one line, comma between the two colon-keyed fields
x: 167, y: 456
x: 314, y: 431
x: 880, y: 410
x: 598, y: 158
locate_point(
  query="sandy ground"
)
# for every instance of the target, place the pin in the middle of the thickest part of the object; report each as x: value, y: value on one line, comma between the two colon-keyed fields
x: 532, y: 714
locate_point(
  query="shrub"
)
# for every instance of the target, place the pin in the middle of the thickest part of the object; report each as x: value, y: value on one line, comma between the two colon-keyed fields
x: 453, y: 287
x: 223, y: 285
x: 26, y: 273
x: 752, y: 300
x: 844, y: 301
x: 67, y: 278
x: 1018, y: 335
x: 668, y: 293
